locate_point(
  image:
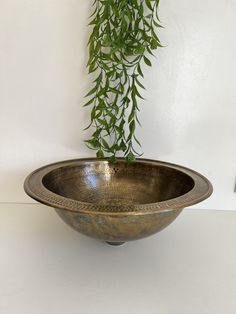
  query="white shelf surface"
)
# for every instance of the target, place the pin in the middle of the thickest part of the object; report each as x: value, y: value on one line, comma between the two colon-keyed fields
x: 47, y: 268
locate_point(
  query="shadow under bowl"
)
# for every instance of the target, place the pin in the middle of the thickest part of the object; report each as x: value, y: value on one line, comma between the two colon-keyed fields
x: 117, y: 202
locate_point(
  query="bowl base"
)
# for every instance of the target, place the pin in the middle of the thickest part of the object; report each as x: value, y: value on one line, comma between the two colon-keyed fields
x: 115, y: 243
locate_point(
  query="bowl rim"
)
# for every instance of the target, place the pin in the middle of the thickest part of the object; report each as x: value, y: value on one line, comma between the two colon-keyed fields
x: 35, y: 188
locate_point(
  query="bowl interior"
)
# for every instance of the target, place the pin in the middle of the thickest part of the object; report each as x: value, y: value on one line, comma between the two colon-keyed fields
x: 118, y: 184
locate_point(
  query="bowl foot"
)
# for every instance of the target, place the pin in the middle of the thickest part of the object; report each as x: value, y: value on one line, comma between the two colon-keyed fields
x: 115, y: 243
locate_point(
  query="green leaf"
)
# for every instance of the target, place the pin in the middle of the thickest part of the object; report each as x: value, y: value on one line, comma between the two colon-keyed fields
x: 132, y: 127
x: 149, y: 5
x: 123, y: 146
x: 137, y: 93
x: 105, y: 144
x: 94, y: 143
x: 139, y: 70
x: 147, y: 61
x: 139, y: 83
x: 112, y: 159
x: 130, y: 157
x: 100, y: 154
x: 89, y: 102
x: 92, y: 67
x: 131, y: 116
x: 92, y: 91
x: 133, y: 97
x: 137, y: 141
x: 157, y: 24
x: 88, y: 126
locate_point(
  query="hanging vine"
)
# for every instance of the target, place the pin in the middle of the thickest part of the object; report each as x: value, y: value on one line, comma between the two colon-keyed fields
x: 123, y: 35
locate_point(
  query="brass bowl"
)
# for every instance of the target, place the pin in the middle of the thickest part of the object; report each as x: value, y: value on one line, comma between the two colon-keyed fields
x: 117, y: 202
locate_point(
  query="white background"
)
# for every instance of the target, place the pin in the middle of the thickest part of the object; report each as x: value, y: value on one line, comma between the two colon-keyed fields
x: 188, y: 118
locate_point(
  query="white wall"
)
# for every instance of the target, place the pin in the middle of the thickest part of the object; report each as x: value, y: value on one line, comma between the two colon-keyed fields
x: 189, y: 115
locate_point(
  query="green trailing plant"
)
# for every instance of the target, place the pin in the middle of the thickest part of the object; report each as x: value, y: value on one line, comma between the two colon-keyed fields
x: 122, y: 38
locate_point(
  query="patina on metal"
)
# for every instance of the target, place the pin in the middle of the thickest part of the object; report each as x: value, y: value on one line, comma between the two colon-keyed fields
x: 117, y: 202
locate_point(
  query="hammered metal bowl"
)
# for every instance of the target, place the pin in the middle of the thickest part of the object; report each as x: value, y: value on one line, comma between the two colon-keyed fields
x: 117, y: 202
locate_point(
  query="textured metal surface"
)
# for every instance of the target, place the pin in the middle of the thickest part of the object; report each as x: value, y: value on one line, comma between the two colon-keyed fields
x: 122, y: 228
x: 117, y: 202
